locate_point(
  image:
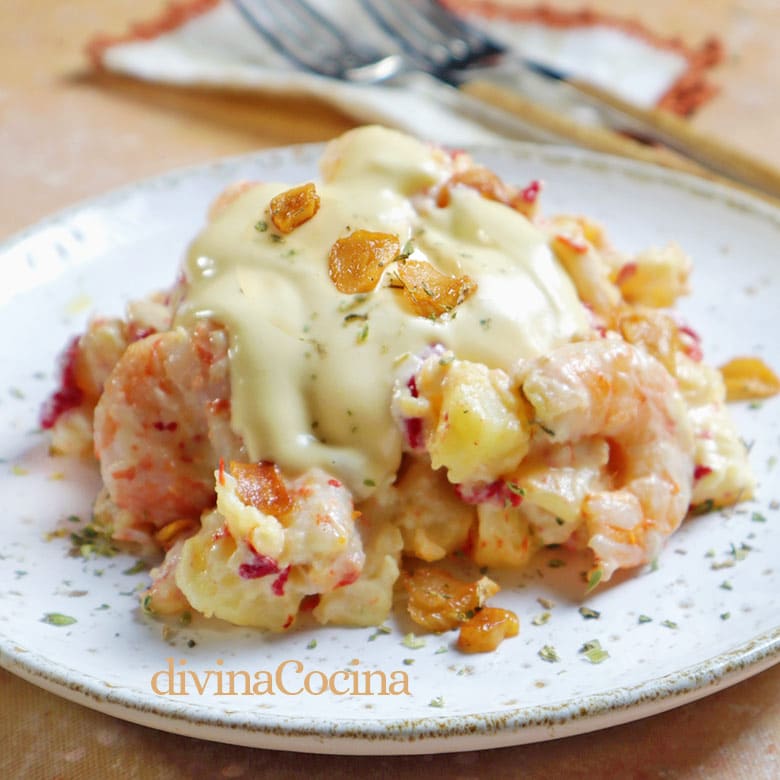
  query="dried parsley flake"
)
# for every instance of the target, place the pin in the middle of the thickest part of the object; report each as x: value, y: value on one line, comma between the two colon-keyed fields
x: 379, y: 631
x: 137, y: 567
x: 92, y: 540
x: 58, y: 619
x: 594, y: 652
x: 413, y: 642
x: 594, y: 578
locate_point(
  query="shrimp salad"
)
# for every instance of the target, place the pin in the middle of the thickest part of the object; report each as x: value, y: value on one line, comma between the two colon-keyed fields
x: 357, y: 380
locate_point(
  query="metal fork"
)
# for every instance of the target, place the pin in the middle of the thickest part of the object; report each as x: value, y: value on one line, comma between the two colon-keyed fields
x: 430, y: 33
x: 432, y: 40
x: 426, y: 29
x: 457, y: 51
x: 313, y: 41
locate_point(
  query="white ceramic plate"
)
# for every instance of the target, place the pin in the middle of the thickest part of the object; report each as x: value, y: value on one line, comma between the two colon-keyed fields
x: 712, y: 600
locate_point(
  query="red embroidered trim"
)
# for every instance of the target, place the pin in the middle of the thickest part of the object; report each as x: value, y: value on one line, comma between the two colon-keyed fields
x: 690, y: 90
x: 175, y: 15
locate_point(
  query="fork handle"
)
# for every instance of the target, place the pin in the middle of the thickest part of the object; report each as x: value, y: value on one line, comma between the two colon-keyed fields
x: 605, y: 140
x: 680, y: 135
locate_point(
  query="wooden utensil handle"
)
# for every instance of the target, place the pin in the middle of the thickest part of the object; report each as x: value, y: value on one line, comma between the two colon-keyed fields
x: 680, y: 135
x: 596, y: 138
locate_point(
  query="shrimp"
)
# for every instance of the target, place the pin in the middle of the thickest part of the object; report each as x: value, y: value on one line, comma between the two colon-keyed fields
x: 254, y: 567
x: 615, y: 391
x: 432, y: 518
x: 85, y: 366
x: 230, y: 194
x: 161, y: 425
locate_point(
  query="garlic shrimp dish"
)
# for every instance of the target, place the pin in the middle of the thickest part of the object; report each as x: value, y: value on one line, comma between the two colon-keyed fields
x: 356, y: 381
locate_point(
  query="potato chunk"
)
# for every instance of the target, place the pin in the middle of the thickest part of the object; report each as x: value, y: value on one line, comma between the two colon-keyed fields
x: 482, y: 430
x: 504, y: 537
x: 656, y: 277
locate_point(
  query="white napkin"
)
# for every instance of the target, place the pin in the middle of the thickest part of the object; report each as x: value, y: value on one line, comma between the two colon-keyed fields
x: 208, y: 42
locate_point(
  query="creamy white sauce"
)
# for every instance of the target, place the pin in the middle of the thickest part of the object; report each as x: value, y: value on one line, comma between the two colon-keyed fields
x: 311, y: 388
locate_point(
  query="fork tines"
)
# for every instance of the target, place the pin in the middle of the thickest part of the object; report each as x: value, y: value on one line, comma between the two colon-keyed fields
x: 430, y: 33
x: 305, y: 36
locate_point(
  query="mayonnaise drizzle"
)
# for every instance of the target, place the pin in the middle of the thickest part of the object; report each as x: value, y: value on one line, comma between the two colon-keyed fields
x: 312, y: 386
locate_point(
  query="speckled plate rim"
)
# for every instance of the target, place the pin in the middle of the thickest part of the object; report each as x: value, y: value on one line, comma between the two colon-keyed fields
x: 490, y: 729
x: 389, y: 736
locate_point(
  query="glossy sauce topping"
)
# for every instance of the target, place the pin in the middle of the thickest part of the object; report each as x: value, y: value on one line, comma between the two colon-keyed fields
x: 312, y: 368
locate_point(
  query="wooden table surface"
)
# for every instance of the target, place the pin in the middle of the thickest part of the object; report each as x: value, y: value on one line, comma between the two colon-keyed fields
x: 66, y: 134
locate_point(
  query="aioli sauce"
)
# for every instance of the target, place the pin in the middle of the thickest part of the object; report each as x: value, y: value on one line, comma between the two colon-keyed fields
x: 312, y: 369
